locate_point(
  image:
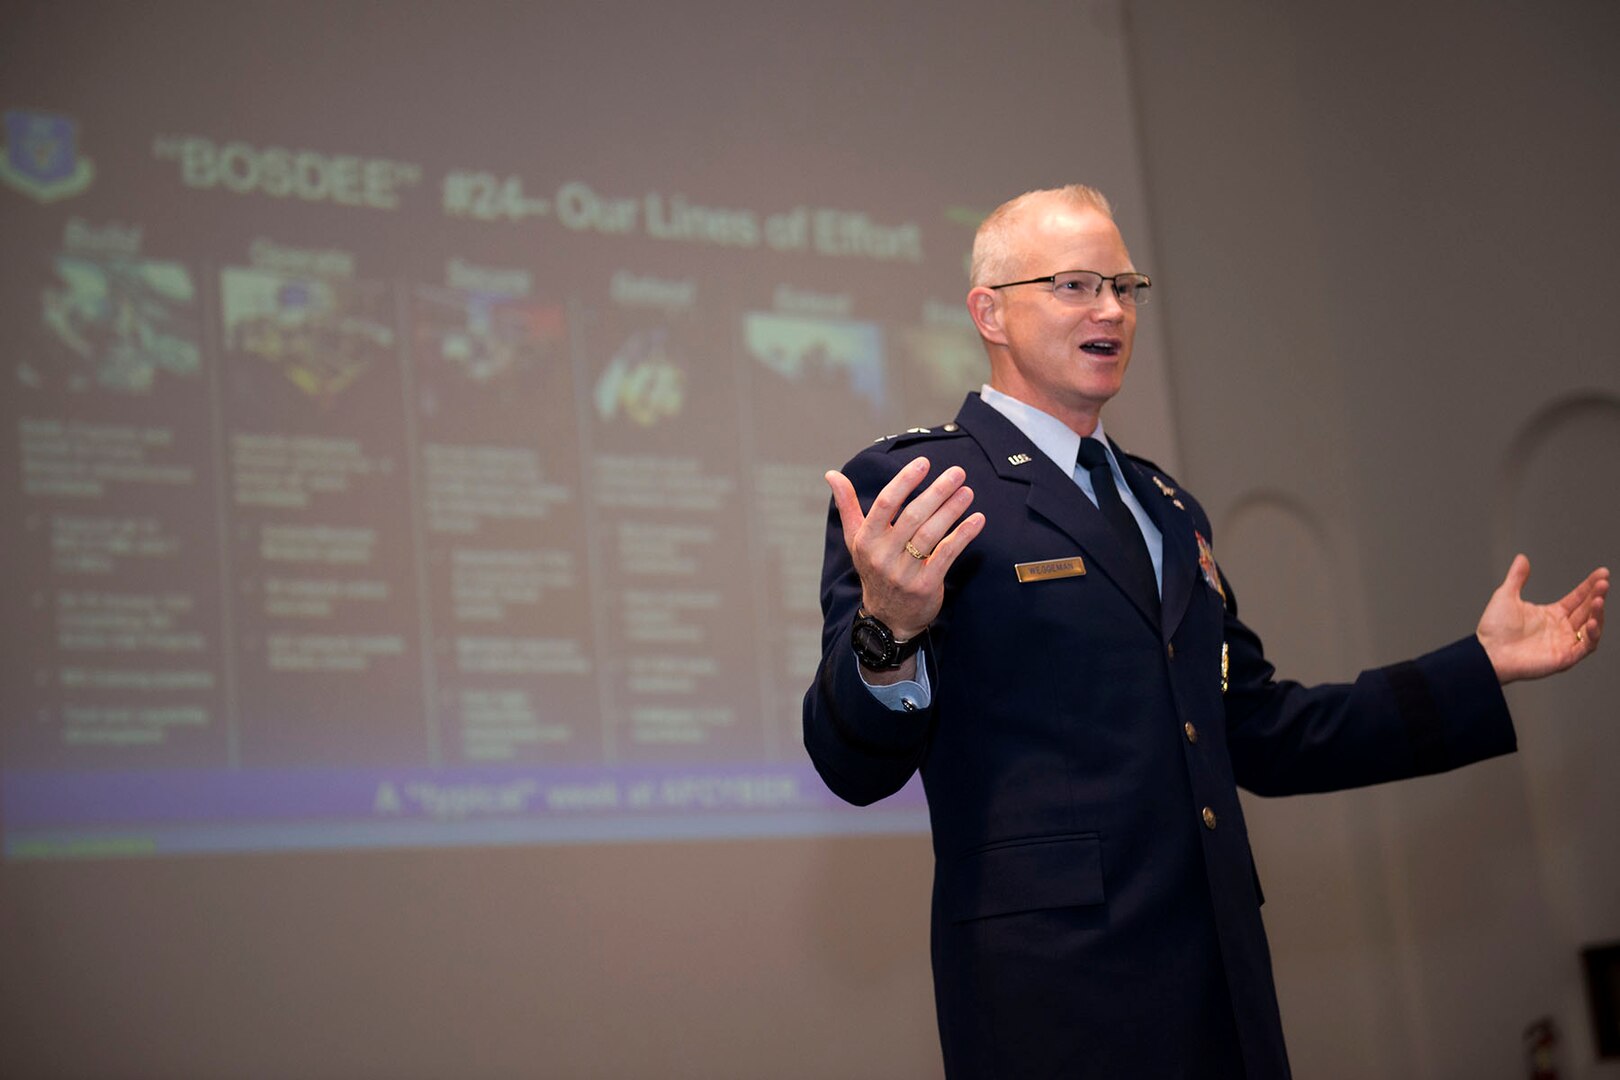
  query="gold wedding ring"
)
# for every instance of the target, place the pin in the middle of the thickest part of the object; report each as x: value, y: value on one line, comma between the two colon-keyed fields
x: 911, y: 549
x: 1580, y: 635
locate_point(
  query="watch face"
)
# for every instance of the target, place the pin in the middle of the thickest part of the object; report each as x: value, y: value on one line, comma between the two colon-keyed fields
x: 873, y: 644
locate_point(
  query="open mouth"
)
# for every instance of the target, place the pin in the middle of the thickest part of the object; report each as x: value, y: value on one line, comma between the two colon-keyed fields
x: 1101, y: 347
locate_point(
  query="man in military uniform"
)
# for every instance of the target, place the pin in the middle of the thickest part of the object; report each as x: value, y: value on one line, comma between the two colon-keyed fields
x: 1066, y: 667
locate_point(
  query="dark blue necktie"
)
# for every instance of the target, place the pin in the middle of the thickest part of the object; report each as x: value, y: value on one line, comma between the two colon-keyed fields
x: 1138, y: 568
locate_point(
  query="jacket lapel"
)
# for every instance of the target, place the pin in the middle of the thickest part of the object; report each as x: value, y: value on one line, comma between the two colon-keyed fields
x: 1053, y: 496
x: 1180, y: 554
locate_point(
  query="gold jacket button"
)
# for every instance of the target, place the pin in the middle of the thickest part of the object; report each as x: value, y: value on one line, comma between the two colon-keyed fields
x: 1209, y: 818
x: 1170, y: 649
x: 1192, y: 732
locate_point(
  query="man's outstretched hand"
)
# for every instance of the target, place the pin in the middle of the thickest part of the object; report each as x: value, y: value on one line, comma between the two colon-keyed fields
x: 1529, y: 641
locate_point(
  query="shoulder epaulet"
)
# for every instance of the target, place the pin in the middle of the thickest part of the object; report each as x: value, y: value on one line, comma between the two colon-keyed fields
x: 918, y: 434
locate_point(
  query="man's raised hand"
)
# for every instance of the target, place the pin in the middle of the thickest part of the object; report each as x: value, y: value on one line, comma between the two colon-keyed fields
x: 902, y: 555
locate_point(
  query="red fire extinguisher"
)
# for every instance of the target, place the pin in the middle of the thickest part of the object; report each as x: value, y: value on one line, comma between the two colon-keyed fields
x: 1541, y: 1050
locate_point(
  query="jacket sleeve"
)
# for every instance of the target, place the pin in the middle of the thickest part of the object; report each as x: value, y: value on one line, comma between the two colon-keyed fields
x: 1440, y: 711
x: 864, y: 750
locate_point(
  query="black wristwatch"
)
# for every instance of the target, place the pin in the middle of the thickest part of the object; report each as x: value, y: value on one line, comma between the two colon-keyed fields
x: 875, y: 645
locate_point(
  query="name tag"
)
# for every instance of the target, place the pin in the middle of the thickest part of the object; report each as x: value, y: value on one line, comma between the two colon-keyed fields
x: 1073, y: 566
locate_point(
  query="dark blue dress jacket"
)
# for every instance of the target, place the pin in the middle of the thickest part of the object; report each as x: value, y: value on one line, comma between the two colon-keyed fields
x: 1096, y: 909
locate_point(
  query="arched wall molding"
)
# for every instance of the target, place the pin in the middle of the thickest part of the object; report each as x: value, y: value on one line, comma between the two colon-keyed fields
x: 1335, y: 911
x: 1321, y: 549
x: 1253, y: 499
x: 1541, y: 428
x: 1551, y: 500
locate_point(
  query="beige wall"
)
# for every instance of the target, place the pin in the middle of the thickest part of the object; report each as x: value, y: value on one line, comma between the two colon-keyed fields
x: 1427, y: 382
x: 1375, y: 431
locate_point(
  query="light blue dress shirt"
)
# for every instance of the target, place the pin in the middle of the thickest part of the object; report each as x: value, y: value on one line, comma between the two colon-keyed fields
x: 1059, y: 442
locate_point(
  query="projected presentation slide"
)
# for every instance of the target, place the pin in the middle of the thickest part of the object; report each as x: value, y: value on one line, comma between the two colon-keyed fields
x: 443, y: 468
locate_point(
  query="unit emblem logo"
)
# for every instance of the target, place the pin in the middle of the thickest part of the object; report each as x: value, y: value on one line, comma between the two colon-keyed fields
x: 42, y: 158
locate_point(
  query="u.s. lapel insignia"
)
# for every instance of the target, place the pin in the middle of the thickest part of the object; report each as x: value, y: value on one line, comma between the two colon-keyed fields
x: 1226, y: 665
x: 1019, y: 459
x: 1206, y: 563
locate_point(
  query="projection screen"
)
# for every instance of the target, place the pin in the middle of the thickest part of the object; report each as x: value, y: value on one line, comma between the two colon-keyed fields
x: 415, y: 415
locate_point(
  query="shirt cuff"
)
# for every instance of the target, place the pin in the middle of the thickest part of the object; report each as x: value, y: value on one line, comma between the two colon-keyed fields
x: 913, y: 695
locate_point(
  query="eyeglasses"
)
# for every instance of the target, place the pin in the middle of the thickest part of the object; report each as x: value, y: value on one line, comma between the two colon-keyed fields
x: 1085, y: 286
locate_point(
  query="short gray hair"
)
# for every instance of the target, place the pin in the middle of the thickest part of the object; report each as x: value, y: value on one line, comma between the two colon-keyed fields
x: 993, y: 255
